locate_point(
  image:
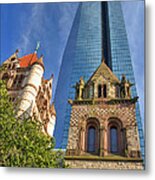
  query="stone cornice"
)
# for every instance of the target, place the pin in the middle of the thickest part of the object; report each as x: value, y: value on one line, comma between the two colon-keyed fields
x: 103, y: 101
x: 105, y: 158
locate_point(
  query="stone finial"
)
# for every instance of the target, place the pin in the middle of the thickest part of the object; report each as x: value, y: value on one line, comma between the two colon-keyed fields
x: 52, y: 76
x: 40, y: 61
x: 52, y: 109
x: 70, y: 101
x: 17, y: 51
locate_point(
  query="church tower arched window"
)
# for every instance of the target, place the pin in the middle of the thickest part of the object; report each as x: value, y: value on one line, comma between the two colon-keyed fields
x: 104, y: 91
x: 114, y: 139
x: 91, y: 139
x: 99, y: 90
x: 92, y: 136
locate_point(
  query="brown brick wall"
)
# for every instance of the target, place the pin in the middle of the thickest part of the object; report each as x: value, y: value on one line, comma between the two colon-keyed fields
x: 125, y: 112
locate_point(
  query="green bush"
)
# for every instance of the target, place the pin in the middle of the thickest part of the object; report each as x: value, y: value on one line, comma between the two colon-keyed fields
x: 22, y: 142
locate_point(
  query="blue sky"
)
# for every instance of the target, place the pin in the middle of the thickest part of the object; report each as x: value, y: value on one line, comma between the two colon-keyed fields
x: 134, y: 20
x: 22, y: 25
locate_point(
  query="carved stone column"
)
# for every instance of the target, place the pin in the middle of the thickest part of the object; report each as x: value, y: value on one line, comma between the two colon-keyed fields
x: 82, y: 141
x: 101, y: 141
x: 105, y: 142
x: 83, y: 138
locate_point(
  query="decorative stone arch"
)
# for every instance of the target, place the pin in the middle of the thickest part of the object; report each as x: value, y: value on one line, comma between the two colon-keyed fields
x: 116, y: 137
x: 115, y: 120
x: 92, y: 115
x: 84, y: 122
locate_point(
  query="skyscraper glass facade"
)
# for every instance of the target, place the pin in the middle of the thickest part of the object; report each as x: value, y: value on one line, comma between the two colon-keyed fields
x: 82, y: 56
x: 120, y: 55
x: 98, y: 32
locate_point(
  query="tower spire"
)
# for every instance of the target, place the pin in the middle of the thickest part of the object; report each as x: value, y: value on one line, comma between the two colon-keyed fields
x: 37, y: 47
x: 35, y: 51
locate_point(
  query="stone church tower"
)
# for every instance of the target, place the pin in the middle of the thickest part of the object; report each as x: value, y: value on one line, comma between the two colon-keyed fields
x: 103, y: 131
x: 29, y: 90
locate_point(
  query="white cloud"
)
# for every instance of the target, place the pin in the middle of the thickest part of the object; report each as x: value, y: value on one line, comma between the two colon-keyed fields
x: 31, y: 27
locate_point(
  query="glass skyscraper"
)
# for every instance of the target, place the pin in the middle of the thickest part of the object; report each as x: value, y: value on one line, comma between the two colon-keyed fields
x: 98, y: 32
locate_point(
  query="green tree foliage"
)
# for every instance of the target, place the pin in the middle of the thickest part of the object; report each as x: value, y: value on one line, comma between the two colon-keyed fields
x: 22, y: 142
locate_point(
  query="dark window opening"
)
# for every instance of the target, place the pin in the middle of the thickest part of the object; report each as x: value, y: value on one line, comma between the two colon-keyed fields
x: 15, y: 81
x: 77, y: 93
x: 113, y: 140
x: 18, y: 80
x: 9, y: 66
x: 12, y: 99
x: 99, y: 90
x: 13, y: 58
x: 91, y: 139
x: 104, y: 91
x: 5, y: 77
x: 13, y: 66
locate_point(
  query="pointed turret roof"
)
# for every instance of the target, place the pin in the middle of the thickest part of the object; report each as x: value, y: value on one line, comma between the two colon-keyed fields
x: 52, y: 76
x: 47, y: 80
x: 105, y: 71
x: 14, y: 56
x: 40, y: 61
x: 28, y: 60
x: 52, y: 109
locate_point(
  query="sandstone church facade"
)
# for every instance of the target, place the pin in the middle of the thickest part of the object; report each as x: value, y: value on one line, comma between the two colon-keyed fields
x: 103, y: 132
x: 29, y: 90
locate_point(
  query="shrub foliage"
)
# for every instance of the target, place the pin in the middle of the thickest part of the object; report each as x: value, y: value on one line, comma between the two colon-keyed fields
x: 22, y: 142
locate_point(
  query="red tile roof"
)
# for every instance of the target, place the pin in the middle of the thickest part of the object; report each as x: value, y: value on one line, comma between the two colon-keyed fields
x: 27, y: 60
